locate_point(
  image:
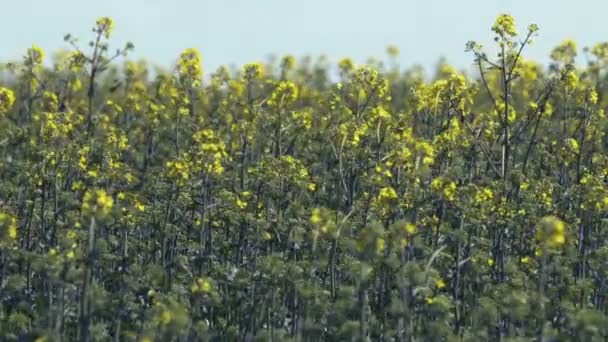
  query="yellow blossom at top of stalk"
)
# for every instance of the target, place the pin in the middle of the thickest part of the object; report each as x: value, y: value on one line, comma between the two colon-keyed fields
x: 97, y: 203
x: 253, y: 71
x: 105, y: 26
x: 189, y: 65
x: 34, y: 56
x: 505, y: 26
x: 346, y: 64
x: 551, y: 231
x: 285, y: 93
x: 7, y: 99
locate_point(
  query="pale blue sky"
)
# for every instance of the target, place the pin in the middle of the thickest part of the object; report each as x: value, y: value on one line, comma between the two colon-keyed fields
x: 240, y: 31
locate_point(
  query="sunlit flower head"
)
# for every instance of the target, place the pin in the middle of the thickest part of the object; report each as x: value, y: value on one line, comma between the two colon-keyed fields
x: 253, y: 71
x: 189, y: 66
x: 97, y: 203
x: 551, y: 231
x: 505, y: 26
x: 7, y: 99
x: 8, y: 227
x: 105, y: 26
x: 34, y: 56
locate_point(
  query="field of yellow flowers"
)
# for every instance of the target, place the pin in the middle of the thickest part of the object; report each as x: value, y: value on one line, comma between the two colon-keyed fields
x: 280, y: 203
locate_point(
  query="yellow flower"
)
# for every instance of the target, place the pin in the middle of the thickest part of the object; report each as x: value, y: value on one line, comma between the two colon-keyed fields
x: 490, y: 262
x: 178, y: 169
x: 104, y: 25
x: 253, y: 71
x: 525, y: 260
x: 450, y: 191
x: 140, y: 206
x: 315, y: 218
x: 206, y: 286
x: 166, y: 317
x: 241, y: 204
x: 436, y: 184
x: 440, y: 283
x: 392, y: 50
x: 410, y: 228
x: 387, y: 194
x: 593, y: 97
x: 201, y: 285
x: 267, y: 236
x: 8, y: 227
x: 551, y: 231
x: 346, y: 64
x: 93, y: 173
x: 483, y: 195
x: 573, y: 144
x: 571, y: 80
x: 189, y: 66
x: 285, y: 93
x: 97, y: 203
x: 12, y: 232
x: 380, y: 245
x: 504, y: 26
x: 35, y: 56
x: 7, y: 99
x: 558, y: 239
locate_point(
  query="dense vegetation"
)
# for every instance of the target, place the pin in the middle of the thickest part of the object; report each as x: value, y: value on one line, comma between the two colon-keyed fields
x: 273, y: 203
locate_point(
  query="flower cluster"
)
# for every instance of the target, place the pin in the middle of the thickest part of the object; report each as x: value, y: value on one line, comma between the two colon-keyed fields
x: 7, y: 99
x: 97, y: 203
